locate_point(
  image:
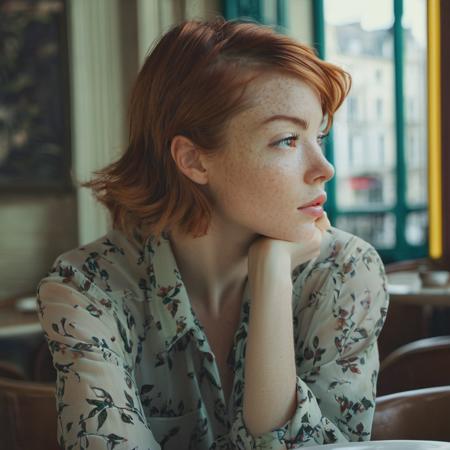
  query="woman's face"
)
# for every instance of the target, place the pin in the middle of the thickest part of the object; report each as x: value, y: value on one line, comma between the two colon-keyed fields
x: 265, y: 172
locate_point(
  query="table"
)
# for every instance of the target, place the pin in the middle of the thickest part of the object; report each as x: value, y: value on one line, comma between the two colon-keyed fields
x: 406, y: 287
x: 382, y: 445
x: 15, y: 322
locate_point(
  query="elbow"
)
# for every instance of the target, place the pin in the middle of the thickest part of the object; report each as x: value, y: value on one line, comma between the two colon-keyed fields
x: 254, y: 422
x: 259, y: 424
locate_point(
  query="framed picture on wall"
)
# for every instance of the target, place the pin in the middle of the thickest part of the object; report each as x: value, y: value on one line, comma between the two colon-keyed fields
x: 34, y: 96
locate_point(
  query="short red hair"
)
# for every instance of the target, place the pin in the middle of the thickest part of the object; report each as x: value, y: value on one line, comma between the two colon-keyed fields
x: 192, y: 83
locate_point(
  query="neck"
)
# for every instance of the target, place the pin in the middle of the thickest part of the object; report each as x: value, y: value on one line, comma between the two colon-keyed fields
x: 213, y: 267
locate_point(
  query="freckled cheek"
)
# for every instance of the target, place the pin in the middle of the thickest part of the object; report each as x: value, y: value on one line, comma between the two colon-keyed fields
x: 280, y: 190
x: 251, y: 182
x: 266, y: 189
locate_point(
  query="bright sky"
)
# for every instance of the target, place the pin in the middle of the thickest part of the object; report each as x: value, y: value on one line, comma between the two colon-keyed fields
x: 376, y: 14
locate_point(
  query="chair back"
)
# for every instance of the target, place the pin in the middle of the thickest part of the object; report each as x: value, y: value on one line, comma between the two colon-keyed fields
x: 27, y: 415
x: 421, y: 414
x: 420, y: 364
x: 11, y: 371
x: 43, y: 370
x: 415, y: 264
x: 406, y: 321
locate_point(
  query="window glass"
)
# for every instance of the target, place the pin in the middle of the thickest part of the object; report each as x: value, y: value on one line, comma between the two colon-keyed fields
x: 359, y: 38
x: 417, y: 228
x: 269, y: 11
x: 415, y: 100
x: 379, y: 227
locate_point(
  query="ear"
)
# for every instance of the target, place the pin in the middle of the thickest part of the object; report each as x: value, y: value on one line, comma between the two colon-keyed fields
x: 188, y: 159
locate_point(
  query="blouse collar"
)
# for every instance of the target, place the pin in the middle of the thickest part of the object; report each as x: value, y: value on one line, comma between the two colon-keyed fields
x: 175, y: 312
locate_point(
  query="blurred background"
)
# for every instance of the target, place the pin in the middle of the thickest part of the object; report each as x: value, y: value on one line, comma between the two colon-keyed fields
x: 66, y: 70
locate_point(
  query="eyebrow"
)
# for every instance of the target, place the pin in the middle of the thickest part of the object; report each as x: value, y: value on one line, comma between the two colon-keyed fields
x: 297, y: 120
x: 302, y: 123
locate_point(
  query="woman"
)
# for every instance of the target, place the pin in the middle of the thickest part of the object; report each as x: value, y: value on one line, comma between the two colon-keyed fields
x: 221, y: 312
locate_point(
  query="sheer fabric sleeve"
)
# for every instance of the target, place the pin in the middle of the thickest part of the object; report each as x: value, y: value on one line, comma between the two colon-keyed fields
x: 337, y: 360
x: 97, y: 401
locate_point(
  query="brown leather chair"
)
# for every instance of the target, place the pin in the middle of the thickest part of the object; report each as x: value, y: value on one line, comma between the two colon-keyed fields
x: 420, y: 364
x: 27, y: 415
x: 405, y: 321
x: 422, y: 414
x: 410, y: 264
x: 11, y: 371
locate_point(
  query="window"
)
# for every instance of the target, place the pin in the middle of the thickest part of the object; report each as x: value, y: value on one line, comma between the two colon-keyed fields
x: 352, y: 108
x: 380, y: 153
x: 270, y: 12
x: 382, y: 197
x: 379, y: 104
x: 351, y: 152
x: 378, y: 75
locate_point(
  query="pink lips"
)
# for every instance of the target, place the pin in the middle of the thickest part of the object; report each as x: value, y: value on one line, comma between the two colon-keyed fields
x: 313, y: 211
x: 314, y: 208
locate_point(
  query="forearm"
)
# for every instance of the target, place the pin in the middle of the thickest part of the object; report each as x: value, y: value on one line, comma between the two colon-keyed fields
x: 270, y: 375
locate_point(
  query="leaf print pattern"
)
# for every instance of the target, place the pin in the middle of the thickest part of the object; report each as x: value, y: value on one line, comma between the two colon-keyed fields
x: 135, y: 369
x: 168, y: 295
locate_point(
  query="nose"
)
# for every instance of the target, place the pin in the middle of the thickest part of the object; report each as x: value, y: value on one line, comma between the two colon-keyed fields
x: 320, y: 169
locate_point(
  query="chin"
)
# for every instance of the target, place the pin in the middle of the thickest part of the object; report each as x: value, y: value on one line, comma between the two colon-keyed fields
x: 298, y: 233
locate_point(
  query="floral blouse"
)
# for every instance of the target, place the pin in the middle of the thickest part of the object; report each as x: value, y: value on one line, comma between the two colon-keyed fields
x: 135, y: 370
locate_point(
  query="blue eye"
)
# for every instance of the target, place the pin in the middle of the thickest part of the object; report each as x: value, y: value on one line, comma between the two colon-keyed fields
x: 293, y: 138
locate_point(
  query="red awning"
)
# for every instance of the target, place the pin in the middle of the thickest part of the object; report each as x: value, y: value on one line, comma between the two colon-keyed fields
x: 363, y: 183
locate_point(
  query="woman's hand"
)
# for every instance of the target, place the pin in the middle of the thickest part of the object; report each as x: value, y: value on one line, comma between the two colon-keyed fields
x: 295, y: 253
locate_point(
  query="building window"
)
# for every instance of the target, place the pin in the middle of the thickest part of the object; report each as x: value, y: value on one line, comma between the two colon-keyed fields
x: 379, y: 106
x: 378, y: 75
x: 352, y: 107
x: 381, y: 144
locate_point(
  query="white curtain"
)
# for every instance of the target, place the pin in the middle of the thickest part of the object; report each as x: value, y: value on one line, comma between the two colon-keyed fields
x: 101, y: 56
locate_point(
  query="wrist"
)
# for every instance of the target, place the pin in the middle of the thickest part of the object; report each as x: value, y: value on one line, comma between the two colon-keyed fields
x: 268, y: 255
x: 270, y: 276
